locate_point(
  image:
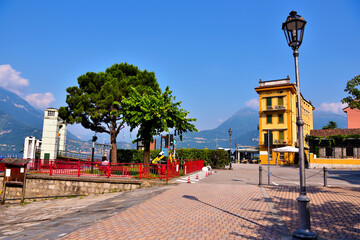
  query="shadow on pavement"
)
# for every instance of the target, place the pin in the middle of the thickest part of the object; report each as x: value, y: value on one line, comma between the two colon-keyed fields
x: 225, y: 211
x: 335, y: 212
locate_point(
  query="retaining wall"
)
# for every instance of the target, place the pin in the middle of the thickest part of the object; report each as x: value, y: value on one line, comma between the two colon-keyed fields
x: 43, y: 186
x: 334, y: 163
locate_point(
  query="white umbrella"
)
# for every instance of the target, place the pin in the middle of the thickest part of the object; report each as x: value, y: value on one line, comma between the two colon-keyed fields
x: 286, y: 149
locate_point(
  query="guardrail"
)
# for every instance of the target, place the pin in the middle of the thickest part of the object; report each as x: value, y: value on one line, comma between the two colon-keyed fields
x: 80, y: 168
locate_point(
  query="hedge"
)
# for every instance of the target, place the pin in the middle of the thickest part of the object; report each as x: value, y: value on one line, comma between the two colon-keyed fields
x: 214, y: 158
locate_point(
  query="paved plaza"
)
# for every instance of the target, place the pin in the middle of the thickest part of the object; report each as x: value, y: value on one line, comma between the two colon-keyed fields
x: 225, y: 205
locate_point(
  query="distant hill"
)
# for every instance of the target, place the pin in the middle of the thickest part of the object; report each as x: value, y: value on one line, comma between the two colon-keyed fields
x: 13, y: 133
x: 322, y: 118
x: 244, y: 132
x: 18, y: 119
x: 19, y: 109
x: 244, y: 127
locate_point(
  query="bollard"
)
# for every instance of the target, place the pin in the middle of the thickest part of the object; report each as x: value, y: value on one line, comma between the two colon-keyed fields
x: 260, y: 175
x: 325, y: 176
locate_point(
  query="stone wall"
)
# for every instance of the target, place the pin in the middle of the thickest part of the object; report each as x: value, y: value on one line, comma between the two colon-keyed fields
x: 43, y: 186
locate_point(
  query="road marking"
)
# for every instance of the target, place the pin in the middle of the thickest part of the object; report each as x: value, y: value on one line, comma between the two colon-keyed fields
x: 61, y: 235
x: 275, y: 184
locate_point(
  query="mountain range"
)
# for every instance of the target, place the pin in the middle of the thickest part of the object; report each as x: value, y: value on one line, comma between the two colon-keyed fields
x: 18, y: 119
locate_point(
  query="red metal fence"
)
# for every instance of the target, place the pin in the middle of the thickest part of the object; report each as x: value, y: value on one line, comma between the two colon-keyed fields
x: 81, y: 168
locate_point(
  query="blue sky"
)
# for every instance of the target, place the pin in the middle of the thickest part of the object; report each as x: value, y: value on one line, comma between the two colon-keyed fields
x: 211, y: 53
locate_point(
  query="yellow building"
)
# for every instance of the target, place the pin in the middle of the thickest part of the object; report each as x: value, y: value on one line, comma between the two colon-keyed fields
x: 277, y: 116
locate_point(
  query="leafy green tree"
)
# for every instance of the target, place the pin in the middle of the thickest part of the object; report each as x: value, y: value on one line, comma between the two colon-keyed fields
x: 353, y: 90
x: 92, y: 102
x: 153, y: 114
x: 330, y: 125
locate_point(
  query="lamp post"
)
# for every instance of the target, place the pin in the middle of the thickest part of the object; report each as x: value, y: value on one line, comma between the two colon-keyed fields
x: 293, y: 28
x: 92, y: 152
x: 230, y: 133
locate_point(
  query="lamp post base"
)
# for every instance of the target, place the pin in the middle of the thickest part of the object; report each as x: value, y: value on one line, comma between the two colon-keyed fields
x: 304, y: 231
x: 304, y: 234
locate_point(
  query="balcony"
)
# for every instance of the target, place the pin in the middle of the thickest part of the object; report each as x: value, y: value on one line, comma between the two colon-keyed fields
x: 275, y: 142
x: 279, y: 141
x: 274, y: 108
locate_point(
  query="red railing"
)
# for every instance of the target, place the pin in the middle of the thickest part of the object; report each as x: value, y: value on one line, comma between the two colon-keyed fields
x: 192, y: 166
x: 98, y: 169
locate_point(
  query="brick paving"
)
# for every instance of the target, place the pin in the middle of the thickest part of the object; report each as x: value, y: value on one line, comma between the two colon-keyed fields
x: 225, y: 205
x: 192, y: 211
x: 335, y: 212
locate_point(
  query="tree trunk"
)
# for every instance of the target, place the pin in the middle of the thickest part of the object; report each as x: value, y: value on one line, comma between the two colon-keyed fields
x: 113, y: 146
x: 147, y: 152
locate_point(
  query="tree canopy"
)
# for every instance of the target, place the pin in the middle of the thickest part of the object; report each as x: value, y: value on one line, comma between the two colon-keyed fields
x: 154, y: 113
x: 353, y: 90
x: 330, y: 125
x: 92, y: 102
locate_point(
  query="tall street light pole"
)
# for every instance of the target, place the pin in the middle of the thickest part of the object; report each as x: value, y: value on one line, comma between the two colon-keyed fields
x: 230, y: 133
x: 294, y: 31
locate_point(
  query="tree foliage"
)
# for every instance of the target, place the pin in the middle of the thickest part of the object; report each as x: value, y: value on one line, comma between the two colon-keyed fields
x: 154, y: 113
x: 92, y: 102
x: 330, y: 125
x: 353, y: 90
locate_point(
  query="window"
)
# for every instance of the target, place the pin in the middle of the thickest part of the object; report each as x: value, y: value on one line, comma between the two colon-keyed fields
x: 328, y: 152
x: 51, y: 113
x: 280, y: 101
x: 268, y: 138
x: 281, y: 118
x: 268, y: 102
x: 349, y: 151
x: 281, y: 135
x: 269, y: 119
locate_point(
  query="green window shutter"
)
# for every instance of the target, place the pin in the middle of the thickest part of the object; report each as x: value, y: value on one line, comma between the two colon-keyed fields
x: 268, y: 101
x: 280, y: 101
x: 281, y: 118
x: 268, y: 118
x: 281, y: 135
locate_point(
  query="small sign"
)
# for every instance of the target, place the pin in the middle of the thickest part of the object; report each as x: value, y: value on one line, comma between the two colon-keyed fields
x: 263, y: 153
x: 166, y: 152
x: 177, y: 167
x: 8, y: 173
x: 22, y: 170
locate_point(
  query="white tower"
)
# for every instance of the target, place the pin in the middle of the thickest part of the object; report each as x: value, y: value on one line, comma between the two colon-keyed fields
x: 53, y: 137
x: 30, y: 145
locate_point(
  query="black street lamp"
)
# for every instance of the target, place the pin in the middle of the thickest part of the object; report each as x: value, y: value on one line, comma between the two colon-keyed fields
x: 230, y: 133
x: 294, y: 31
x: 92, y: 152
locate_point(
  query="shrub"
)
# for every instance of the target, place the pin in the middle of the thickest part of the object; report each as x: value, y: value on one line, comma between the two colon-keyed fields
x: 214, y: 158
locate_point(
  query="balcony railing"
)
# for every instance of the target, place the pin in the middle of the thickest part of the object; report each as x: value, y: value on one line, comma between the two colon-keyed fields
x: 274, y: 108
x: 275, y: 142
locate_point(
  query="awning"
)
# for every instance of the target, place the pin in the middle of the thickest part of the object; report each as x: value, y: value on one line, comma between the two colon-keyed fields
x: 286, y: 149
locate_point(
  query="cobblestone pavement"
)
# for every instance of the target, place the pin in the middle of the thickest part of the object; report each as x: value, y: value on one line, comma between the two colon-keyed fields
x: 335, y: 212
x: 225, y: 205
x: 192, y: 211
x: 51, y: 219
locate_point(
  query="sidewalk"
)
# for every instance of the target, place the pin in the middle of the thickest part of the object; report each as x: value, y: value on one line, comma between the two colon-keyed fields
x: 225, y: 205
x: 192, y: 211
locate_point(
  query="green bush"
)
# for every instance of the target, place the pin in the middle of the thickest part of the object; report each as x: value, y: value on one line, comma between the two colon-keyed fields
x: 214, y: 158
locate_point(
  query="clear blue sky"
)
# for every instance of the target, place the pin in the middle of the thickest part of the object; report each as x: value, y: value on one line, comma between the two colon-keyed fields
x: 210, y: 53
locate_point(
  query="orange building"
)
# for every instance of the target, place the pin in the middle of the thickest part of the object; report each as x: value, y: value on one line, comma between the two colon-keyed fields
x: 353, y: 117
x: 277, y: 117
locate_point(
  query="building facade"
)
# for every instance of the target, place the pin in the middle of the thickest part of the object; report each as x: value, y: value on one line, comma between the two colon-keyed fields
x: 53, y: 135
x: 277, y: 119
x: 353, y: 117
